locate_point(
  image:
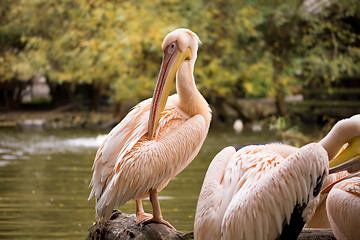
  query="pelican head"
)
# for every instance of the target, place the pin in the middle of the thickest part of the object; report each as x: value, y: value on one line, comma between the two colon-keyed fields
x: 178, y: 46
x: 348, y: 159
x: 349, y: 156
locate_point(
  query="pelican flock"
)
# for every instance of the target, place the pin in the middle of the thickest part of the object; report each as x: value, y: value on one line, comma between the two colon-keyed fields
x: 157, y: 139
x: 270, y: 191
x: 258, y: 192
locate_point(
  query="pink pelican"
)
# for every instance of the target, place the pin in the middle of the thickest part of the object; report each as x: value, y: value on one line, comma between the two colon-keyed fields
x: 343, y: 208
x: 339, y: 207
x: 268, y: 191
x: 157, y: 139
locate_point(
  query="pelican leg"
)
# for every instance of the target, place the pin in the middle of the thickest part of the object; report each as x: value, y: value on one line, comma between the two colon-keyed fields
x: 141, y: 216
x: 156, y: 210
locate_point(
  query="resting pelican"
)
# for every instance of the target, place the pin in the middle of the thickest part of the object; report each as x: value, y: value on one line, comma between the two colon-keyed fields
x: 157, y: 139
x: 268, y: 191
x: 343, y: 208
x: 339, y: 207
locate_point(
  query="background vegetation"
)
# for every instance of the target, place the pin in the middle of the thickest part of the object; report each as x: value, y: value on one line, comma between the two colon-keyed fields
x: 107, y: 49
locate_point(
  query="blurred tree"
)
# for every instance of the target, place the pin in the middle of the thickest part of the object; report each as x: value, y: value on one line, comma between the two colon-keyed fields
x: 331, y: 43
x: 98, y: 43
x: 281, y: 36
x: 256, y: 48
x: 11, y: 45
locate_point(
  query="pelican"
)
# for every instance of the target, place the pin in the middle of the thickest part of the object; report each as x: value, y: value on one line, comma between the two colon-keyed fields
x: 339, y: 208
x: 343, y: 208
x: 238, y: 126
x: 336, y: 186
x: 157, y: 139
x: 268, y: 191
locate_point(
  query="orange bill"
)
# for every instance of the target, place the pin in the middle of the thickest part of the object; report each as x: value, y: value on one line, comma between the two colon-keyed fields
x: 172, y: 59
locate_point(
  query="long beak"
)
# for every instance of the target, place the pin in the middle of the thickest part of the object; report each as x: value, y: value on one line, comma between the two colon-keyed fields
x: 330, y: 186
x: 172, y: 59
x: 348, y: 159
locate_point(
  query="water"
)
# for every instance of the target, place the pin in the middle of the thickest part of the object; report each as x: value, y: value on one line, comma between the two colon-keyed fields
x: 45, y: 174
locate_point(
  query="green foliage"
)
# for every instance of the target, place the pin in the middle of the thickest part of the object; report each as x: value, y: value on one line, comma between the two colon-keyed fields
x: 257, y: 80
x: 332, y: 41
x: 250, y: 48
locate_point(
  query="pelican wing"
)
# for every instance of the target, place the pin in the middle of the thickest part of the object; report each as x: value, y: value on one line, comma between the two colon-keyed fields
x: 133, y: 126
x: 210, y: 197
x: 266, y: 204
x: 133, y: 165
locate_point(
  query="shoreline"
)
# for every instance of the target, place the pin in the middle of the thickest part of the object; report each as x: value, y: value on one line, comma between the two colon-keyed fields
x: 57, y: 120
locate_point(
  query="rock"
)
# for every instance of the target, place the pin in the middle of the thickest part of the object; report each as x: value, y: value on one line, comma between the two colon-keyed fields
x: 316, y: 234
x: 123, y: 226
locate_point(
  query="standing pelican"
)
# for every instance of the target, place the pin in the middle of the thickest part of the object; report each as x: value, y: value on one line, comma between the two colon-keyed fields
x: 157, y: 139
x: 238, y: 126
x: 268, y: 191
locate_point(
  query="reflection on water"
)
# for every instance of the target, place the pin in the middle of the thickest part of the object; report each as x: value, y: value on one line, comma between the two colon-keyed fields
x: 45, y: 174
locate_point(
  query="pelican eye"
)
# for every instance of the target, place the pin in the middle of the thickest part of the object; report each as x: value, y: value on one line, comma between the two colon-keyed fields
x: 171, y: 48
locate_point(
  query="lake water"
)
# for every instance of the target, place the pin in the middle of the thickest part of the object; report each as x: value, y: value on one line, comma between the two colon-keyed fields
x: 45, y: 176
